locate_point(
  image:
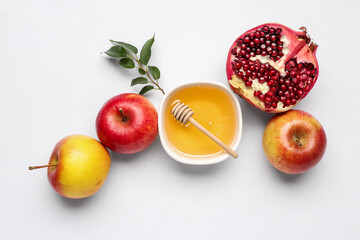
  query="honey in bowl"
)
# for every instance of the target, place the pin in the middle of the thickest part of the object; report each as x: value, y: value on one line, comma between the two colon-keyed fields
x: 213, y: 109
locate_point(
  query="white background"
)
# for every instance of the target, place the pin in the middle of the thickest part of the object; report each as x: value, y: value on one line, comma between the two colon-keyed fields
x: 54, y: 80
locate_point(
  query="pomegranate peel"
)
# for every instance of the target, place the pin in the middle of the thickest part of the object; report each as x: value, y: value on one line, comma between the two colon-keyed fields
x: 272, y: 66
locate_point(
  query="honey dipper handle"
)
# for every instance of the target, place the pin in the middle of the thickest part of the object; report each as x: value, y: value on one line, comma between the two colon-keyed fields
x: 213, y: 137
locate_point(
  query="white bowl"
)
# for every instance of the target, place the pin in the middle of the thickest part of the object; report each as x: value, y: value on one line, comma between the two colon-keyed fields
x: 199, y: 160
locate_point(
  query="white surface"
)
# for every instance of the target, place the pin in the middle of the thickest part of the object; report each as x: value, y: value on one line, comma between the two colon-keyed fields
x: 54, y: 81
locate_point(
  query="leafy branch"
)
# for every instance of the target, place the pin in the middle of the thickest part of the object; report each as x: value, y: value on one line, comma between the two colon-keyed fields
x: 127, y: 54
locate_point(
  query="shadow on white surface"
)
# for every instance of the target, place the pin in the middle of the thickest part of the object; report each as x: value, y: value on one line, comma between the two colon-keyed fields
x: 76, y: 203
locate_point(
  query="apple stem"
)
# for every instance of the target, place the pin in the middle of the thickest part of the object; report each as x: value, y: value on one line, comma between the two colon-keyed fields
x: 123, y: 118
x: 43, y: 166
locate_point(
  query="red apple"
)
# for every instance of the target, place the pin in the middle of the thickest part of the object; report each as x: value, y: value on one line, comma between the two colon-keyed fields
x: 127, y: 123
x: 294, y: 141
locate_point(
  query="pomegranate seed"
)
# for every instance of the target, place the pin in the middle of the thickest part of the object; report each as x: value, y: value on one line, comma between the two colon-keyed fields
x: 245, y: 78
x: 272, y: 72
x: 251, y: 35
x: 253, y: 75
x: 261, y: 80
x: 246, y: 39
x: 295, y: 81
x: 247, y: 72
x: 283, y: 99
x: 270, y: 94
x: 261, y: 97
x: 273, y: 45
x: 287, y: 82
x: 309, y: 81
x: 301, y: 85
x: 267, y: 99
x: 277, y: 58
x: 280, y: 93
x: 256, y: 41
x: 292, y: 95
x: 293, y: 101
x: 270, y: 82
x: 288, y: 102
x: 273, y: 38
x: 257, y: 34
x: 240, y: 41
x: 293, y: 73
x: 290, y: 88
x: 268, y: 49
x: 273, y: 89
x: 278, y: 31
x: 237, y: 65
x: 265, y: 29
x: 252, y: 44
x: 267, y: 43
x: 252, y: 54
x: 248, y: 83
x: 263, y: 53
x: 300, y: 93
x: 279, y: 48
x: 263, y: 47
x: 247, y: 55
x: 300, y: 66
x: 243, y: 62
x: 273, y: 53
x: 313, y: 71
x: 252, y: 68
x: 283, y: 87
x: 307, y: 88
x: 257, y: 93
x: 303, y: 77
x: 262, y: 40
x: 274, y: 77
x: 274, y: 104
x: 290, y: 64
x: 262, y: 34
x: 234, y: 51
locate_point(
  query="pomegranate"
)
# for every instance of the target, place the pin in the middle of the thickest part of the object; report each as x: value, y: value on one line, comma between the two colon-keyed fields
x: 272, y: 66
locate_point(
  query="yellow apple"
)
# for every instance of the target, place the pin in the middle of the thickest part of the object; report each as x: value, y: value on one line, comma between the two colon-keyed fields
x: 78, y: 166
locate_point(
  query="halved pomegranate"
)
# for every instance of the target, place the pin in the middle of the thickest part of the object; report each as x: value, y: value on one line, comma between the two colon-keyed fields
x: 272, y: 66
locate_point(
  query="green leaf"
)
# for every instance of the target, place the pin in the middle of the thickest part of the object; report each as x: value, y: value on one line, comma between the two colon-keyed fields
x: 146, y: 89
x: 145, y: 53
x: 142, y: 72
x: 127, y: 63
x: 155, y: 72
x: 116, y: 52
x: 127, y: 46
x: 139, y: 80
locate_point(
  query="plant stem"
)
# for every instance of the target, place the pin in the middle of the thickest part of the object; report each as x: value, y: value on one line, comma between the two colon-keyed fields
x: 147, y: 73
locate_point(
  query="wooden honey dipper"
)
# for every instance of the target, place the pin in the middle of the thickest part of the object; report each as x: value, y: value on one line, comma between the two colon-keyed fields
x: 183, y: 114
